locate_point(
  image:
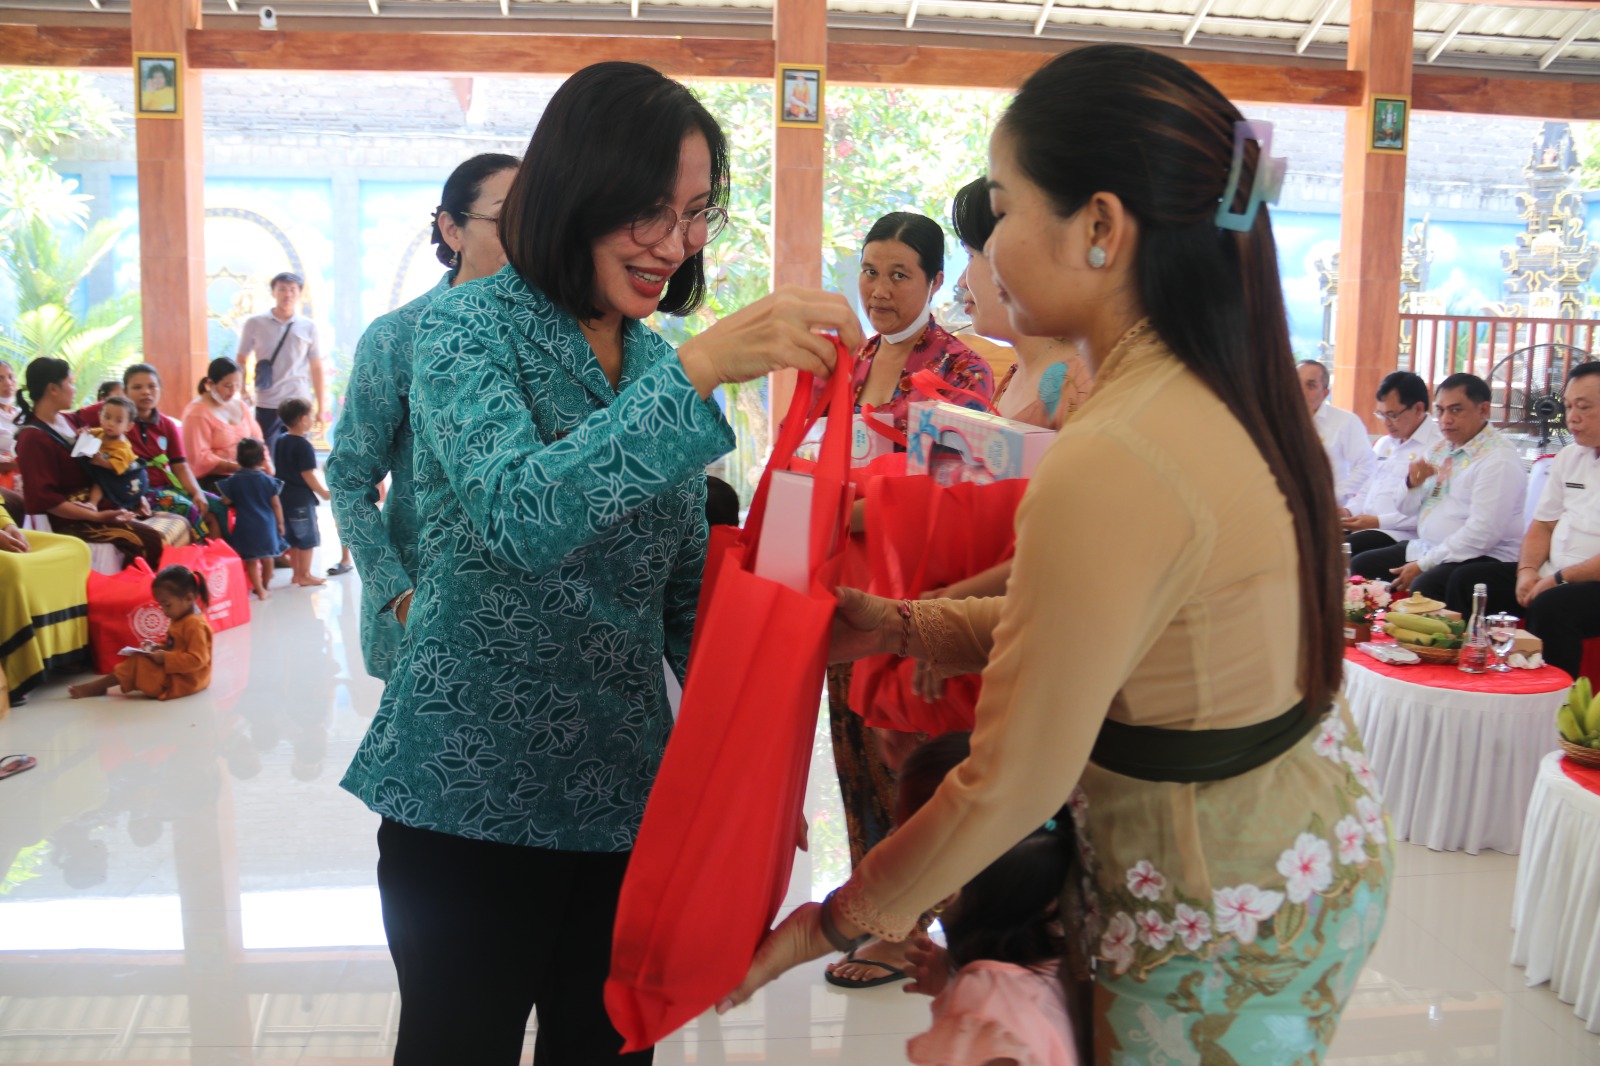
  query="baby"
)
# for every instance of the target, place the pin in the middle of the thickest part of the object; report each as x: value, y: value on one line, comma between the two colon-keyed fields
x: 120, y: 477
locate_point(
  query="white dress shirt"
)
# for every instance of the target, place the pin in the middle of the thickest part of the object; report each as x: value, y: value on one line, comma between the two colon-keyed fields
x: 1344, y: 436
x: 1571, y: 500
x: 1386, y: 491
x: 1473, y: 506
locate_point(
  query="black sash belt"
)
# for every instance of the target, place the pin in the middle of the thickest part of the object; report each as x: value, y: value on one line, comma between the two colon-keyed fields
x: 1150, y: 753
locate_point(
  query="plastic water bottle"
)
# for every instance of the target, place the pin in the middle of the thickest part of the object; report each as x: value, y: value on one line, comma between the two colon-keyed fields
x: 1345, y: 548
x: 1475, y: 648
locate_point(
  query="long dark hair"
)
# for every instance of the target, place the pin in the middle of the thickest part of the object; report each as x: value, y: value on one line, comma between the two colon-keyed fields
x: 41, y: 373
x: 970, y: 214
x: 605, y: 151
x: 1124, y: 120
x: 219, y: 368
x: 1010, y: 911
x: 461, y: 191
x: 918, y: 232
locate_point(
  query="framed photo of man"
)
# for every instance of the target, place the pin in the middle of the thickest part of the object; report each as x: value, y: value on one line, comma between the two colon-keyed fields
x: 800, y: 95
x: 1389, y: 124
x: 157, y: 93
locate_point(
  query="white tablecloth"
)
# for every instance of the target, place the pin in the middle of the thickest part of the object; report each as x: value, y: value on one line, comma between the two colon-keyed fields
x: 1556, y: 911
x: 1456, y: 768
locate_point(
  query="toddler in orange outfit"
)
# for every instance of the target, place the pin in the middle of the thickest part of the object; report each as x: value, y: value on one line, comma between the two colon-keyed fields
x: 183, y: 666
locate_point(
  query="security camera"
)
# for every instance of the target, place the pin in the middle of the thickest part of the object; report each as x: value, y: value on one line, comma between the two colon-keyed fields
x: 269, y: 19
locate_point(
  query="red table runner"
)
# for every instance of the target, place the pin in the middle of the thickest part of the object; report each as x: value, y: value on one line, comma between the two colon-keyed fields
x: 1434, y: 675
x: 1587, y: 776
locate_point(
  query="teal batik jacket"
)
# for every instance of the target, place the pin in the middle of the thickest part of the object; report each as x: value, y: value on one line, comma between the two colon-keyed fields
x: 563, y: 536
x: 374, y: 441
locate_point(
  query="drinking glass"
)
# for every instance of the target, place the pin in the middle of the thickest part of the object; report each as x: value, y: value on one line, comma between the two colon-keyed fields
x: 1502, y: 636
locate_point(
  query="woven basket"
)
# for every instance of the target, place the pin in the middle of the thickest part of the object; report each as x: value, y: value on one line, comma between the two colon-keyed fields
x: 1438, y: 656
x: 1580, y: 754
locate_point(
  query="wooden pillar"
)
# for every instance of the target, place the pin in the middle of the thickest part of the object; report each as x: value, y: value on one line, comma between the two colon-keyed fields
x: 172, y: 257
x: 1374, y: 211
x: 800, y: 35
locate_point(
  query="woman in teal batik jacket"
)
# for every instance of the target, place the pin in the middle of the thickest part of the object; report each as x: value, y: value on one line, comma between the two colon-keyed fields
x: 374, y: 438
x: 560, y: 457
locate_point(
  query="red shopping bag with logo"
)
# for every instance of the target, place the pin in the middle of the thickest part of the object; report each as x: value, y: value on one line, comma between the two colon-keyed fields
x: 922, y: 536
x: 122, y: 614
x: 223, y: 571
x: 712, y: 862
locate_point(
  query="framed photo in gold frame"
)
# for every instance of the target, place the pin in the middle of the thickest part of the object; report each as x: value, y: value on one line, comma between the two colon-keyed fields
x: 1389, y: 124
x: 157, y: 84
x: 800, y: 95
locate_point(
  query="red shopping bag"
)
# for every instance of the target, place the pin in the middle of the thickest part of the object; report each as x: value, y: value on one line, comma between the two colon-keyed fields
x: 223, y: 570
x: 716, y: 848
x: 122, y: 614
x: 922, y: 536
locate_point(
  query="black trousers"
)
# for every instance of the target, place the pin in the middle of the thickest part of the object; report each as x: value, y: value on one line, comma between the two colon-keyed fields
x: 484, y: 933
x: 1436, y: 584
x: 272, y: 426
x: 1366, y: 540
x: 1501, y: 581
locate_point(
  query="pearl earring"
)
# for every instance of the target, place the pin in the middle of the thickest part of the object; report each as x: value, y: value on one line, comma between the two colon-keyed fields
x: 1097, y: 257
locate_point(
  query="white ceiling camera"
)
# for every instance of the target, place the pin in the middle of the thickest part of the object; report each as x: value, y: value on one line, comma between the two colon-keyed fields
x: 269, y: 19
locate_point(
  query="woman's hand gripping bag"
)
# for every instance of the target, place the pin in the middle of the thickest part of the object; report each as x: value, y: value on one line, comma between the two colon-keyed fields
x: 717, y: 845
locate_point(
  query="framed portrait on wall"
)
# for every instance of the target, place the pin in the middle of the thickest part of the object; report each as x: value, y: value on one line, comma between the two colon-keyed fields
x: 800, y: 95
x: 1389, y: 124
x: 157, y: 91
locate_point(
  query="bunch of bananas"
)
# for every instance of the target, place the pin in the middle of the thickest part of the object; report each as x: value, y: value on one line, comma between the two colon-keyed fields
x: 1424, y: 631
x: 1579, y: 718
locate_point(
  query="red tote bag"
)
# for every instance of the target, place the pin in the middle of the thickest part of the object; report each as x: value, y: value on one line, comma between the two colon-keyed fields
x: 122, y: 614
x: 712, y: 862
x: 922, y: 536
x: 223, y: 570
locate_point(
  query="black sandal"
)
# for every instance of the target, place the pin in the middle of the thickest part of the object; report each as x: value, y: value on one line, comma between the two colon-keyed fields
x: 891, y: 974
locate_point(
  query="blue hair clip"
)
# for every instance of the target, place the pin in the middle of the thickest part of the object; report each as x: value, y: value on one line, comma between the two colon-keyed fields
x: 1269, y: 177
x: 1050, y: 826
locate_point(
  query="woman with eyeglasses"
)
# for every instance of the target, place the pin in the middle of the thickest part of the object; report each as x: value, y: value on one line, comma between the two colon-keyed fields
x: 373, y: 440
x: 560, y: 475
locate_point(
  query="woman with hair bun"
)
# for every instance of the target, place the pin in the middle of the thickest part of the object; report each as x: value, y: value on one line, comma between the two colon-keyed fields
x: 1237, y: 856
x: 373, y: 440
x: 216, y: 421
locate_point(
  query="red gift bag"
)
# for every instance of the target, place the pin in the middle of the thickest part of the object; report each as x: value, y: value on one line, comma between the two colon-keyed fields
x: 223, y: 570
x: 712, y: 862
x: 122, y: 614
x: 922, y: 536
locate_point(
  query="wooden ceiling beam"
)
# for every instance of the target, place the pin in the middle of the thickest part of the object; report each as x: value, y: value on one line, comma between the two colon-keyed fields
x: 1564, y: 101
x: 485, y: 54
x: 65, y: 46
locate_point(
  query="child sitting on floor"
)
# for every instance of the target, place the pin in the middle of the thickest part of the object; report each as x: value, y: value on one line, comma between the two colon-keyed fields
x: 999, y: 993
x: 182, y: 666
x: 120, y: 478
x: 257, y: 534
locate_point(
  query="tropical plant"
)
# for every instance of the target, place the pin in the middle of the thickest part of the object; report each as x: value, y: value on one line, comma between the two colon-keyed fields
x: 40, y: 109
x: 46, y: 274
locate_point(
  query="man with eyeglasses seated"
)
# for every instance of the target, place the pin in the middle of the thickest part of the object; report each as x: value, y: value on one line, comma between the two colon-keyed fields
x: 1343, y: 434
x: 1374, y: 519
x: 1467, y: 494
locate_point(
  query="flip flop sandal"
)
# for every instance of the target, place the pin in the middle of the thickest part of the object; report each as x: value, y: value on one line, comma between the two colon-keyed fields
x: 342, y: 568
x: 891, y: 974
x: 16, y: 764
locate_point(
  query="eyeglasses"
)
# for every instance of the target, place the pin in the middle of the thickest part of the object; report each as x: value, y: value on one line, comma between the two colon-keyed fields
x: 474, y: 214
x: 700, y: 227
x: 1390, y: 417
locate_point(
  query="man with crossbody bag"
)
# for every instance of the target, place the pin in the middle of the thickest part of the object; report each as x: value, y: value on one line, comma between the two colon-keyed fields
x: 286, y: 350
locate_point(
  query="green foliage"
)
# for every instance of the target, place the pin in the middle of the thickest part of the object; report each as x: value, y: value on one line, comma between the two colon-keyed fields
x: 1586, y: 138
x: 39, y: 110
x: 45, y: 273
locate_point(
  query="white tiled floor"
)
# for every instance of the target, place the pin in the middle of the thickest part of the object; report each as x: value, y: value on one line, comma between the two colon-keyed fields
x: 187, y: 883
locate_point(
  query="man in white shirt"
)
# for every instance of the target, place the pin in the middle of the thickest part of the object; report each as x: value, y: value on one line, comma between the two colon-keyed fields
x: 1343, y: 434
x: 1556, y: 579
x: 1467, y: 495
x: 1375, y: 518
x: 286, y: 351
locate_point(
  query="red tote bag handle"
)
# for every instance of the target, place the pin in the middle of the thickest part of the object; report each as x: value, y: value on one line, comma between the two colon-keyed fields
x: 932, y: 385
x: 887, y: 432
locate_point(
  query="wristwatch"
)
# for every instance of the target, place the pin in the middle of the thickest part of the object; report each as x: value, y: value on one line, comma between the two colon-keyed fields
x: 1560, y: 580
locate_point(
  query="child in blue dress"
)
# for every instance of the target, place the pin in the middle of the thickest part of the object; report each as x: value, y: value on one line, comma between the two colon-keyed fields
x: 257, y: 514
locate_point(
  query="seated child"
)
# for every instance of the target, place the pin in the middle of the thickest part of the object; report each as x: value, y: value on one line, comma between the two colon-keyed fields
x: 182, y: 666
x: 107, y: 390
x: 999, y: 993
x: 120, y: 477
x: 296, y: 461
x: 258, y: 525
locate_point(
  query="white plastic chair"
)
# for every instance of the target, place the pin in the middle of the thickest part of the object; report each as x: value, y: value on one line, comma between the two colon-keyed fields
x: 103, y: 558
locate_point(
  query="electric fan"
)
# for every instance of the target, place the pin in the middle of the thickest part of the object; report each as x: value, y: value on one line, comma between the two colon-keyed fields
x: 1526, y: 388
